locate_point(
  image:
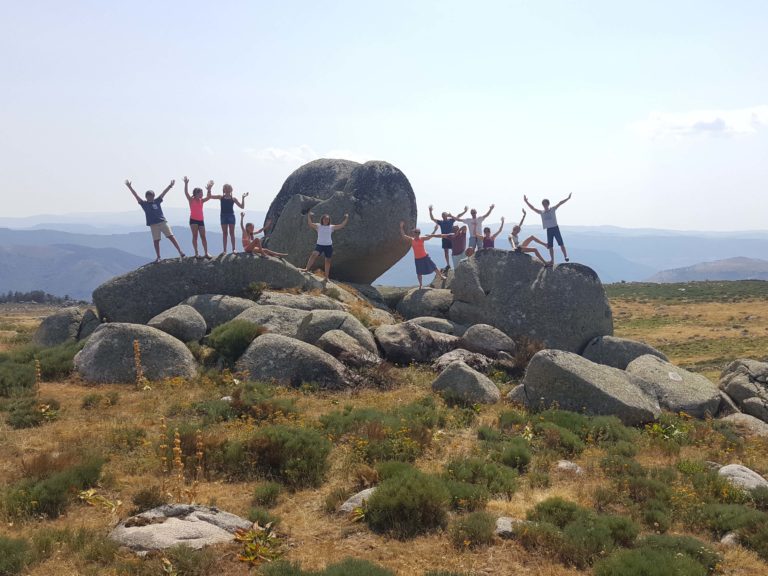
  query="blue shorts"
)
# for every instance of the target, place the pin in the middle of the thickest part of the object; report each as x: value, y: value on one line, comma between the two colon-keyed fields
x: 326, y: 251
x: 554, y: 234
x: 472, y: 243
x: 228, y: 219
x: 425, y: 266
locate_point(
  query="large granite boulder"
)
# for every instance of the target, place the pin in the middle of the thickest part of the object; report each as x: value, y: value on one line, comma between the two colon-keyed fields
x: 177, y: 525
x: 746, y: 382
x: 60, y: 327
x: 299, y: 301
x: 487, y: 340
x: 392, y: 295
x: 439, y: 325
x: 182, y: 322
x: 108, y: 355
x: 677, y: 389
x: 568, y: 381
x: 747, y: 425
x: 564, y: 307
x: 318, y: 322
x: 283, y: 359
x: 474, y: 360
x: 347, y: 349
x: 742, y: 477
x: 217, y: 309
x: 276, y: 319
x: 376, y: 195
x: 139, y: 295
x: 618, y: 352
x: 88, y: 324
x: 405, y: 343
x: 459, y: 382
x: 425, y: 302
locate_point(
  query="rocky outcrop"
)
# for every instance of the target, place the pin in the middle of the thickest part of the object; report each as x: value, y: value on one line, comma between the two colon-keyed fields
x: 570, y: 382
x: 108, y: 355
x: 182, y: 322
x: 139, y: 295
x: 276, y: 319
x: 460, y: 383
x: 217, y: 309
x: 439, y: 325
x: 677, y: 390
x: 746, y: 382
x: 747, y: 425
x: 88, y: 324
x: 487, y: 340
x: 177, y: 525
x: 474, y: 360
x: 273, y: 357
x: 318, y: 322
x: 392, y: 295
x: 346, y: 349
x: 299, y: 301
x: 618, y: 352
x: 418, y: 302
x: 405, y: 343
x: 564, y: 307
x: 60, y: 327
x: 376, y: 195
x: 742, y: 477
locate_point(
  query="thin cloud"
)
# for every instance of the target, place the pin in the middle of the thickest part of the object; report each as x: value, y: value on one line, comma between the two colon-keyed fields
x: 704, y: 123
x: 302, y: 154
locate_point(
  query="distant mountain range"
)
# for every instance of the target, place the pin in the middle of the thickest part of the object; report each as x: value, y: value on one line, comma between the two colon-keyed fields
x: 74, y: 253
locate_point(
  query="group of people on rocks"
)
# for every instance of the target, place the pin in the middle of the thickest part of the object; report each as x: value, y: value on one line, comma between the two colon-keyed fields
x: 458, y: 242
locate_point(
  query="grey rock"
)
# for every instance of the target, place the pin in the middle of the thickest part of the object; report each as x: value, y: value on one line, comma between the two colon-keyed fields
x: 89, y: 322
x: 518, y: 396
x: 60, y: 327
x: 507, y: 527
x: 566, y: 380
x: 376, y: 195
x: 569, y: 467
x: 379, y: 317
x: 392, y: 295
x: 472, y: 359
x: 318, y: 322
x: 487, y: 340
x: 730, y: 539
x: 108, y: 355
x: 299, y: 301
x: 746, y: 383
x: 727, y: 405
x: 217, y: 309
x: 276, y: 319
x: 714, y: 466
x: 618, y: 352
x: 747, y: 425
x: 564, y: 307
x: 283, y: 359
x: 677, y: 390
x: 436, y: 324
x: 460, y: 382
x: 405, y: 343
x: 742, y: 477
x: 356, y: 501
x: 175, y: 525
x: 425, y: 302
x: 139, y: 295
x: 182, y: 322
x: 756, y: 406
x: 346, y: 349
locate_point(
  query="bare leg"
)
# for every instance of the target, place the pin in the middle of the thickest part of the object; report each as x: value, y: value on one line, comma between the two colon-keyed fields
x: 534, y: 251
x: 447, y: 257
x: 224, y: 237
x: 530, y: 239
x: 312, y: 258
x: 232, y: 237
x: 327, y: 268
x: 176, y: 245
x: 195, y: 228
x: 157, y: 249
x: 565, y: 253
x: 420, y: 286
x: 205, y: 242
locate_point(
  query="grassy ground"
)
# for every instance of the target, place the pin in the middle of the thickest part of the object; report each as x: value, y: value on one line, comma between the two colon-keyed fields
x: 701, y: 332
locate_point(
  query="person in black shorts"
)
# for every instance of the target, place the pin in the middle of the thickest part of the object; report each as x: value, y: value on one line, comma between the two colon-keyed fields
x: 196, y: 221
x: 324, y: 243
x: 549, y: 223
x: 228, y: 203
x: 446, y: 227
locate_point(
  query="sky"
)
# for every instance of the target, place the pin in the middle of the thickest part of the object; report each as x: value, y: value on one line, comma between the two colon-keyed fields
x: 653, y: 114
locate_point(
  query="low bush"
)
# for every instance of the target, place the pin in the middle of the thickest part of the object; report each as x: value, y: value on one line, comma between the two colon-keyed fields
x: 347, y: 567
x: 623, y: 448
x: 30, y: 412
x: 91, y: 401
x: 297, y: 457
x: 617, y: 466
x: 467, y: 497
x: 559, y: 439
x: 755, y: 537
x: 213, y: 411
x: 497, y: 479
x: 262, y: 516
x: 232, y: 338
x: 473, y: 530
x: 266, y: 494
x: 556, y: 511
x: 257, y: 400
x: 687, y: 545
x: 126, y: 438
x: 723, y: 518
x: 16, y: 378
x: 513, y: 420
x: 760, y: 497
x: 148, y: 498
x: 14, y: 554
x: 408, y: 505
x: 515, y: 453
x: 488, y: 434
x: 186, y: 561
x: 57, y: 362
x: 391, y: 468
x: 644, y: 562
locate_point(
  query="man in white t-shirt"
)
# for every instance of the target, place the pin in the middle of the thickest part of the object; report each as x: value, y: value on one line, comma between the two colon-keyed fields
x: 475, y: 227
x: 549, y: 223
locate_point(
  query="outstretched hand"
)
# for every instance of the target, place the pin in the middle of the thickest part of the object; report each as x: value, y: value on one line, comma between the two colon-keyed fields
x: 346, y: 215
x: 242, y: 214
x: 525, y: 198
x: 569, y: 195
x: 502, y: 219
x: 172, y: 183
x: 209, y: 185
x: 128, y: 183
x: 186, y: 180
x: 245, y: 195
x: 430, y: 206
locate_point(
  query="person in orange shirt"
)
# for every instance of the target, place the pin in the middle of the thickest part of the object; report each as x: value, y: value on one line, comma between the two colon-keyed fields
x: 424, y: 264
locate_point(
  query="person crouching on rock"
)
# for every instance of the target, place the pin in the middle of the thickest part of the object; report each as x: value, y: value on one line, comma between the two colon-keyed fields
x: 324, y: 244
x: 227, y: 216
x: 251, y: 242
x: 196, y: 221
x: 424, y: 264
x: 489, y: 240
x: 524, y: 247
x: 155, y: 219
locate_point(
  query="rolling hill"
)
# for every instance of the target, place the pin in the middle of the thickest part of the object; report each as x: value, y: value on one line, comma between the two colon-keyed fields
x: 738, y: 268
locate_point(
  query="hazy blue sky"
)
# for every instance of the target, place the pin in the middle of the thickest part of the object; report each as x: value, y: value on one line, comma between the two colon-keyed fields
x: 653, y: 113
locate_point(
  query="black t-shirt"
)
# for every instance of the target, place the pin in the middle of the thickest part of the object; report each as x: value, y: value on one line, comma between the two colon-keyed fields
x: 153, y: 211
x: 446, y: 226
x: 227, y: 206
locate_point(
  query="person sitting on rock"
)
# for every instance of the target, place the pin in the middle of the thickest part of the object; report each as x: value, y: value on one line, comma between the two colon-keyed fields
x: 458, y: 244
x: 324, y: 244
x: 446, y: 227
x: 549, y: 223
x: 155, y: 219
x: 227, y: 216
x: 524, y: 247
x: 489, y: 240
x: 196, y: 221
x: 251, y: 242
x: 424, y: 264
x: 475, y: 224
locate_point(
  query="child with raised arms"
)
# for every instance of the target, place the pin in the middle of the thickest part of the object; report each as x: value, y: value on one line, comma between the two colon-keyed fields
x: 424, y: 264
x: 153, y: 212
x: 196, y: 220
x: 227, y: 216
x: 324, y: 243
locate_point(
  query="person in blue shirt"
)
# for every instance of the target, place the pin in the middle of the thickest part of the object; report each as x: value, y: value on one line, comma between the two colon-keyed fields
x: 154, y: 216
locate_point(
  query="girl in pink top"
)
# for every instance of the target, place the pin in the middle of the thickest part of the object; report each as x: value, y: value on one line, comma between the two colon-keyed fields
x: 196, y: 220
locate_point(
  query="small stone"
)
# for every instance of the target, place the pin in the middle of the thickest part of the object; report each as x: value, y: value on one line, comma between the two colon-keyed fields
x: 569, y: 467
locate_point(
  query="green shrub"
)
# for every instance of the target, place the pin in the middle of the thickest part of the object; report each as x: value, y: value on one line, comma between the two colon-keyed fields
x: 687, y: 545
x: 91, y: 401
x: 113, y: 397
x: 488, y: 434
x: 16, y: 378
x: 723, y: 518
x: 58, y: 361
x: 617, y: 466
x: 391, y: 468
x: 30, y: 412
x: 760, y: 497
x: 266, y: 494
x: 711, y: 487
x: 473, y: 530
x: 610, y: 430
x: 642, y: 489
x: 496, y: 478
x: 126, y: 438
x: 648, y: 563
x: 232, y: 338
x: 556, y: 511
x: 623, y: 448
x: 408, y: 505
x: 571, y: 421
x: 254, y: 290
x: 559, y: 439
x: 512, y: 419
x: 355, y: 567
x: 214, y: 411
x: 657, y: 516
x: 515, y: 453
x: 465, y: 496
x: 187, y: 561
x: 148, y: 498
x: 13, y: 555
x: 262, y: 516
x: 754, y: 536
x: 255, y: 400
x: 297, y: 457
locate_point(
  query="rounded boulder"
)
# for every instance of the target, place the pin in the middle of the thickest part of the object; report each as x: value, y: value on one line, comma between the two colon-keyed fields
x: 182, y: 322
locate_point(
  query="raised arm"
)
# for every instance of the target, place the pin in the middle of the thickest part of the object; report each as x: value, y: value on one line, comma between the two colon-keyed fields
x: 309, y: 220
x: 164, y: 192
x: 128, y: 183
x: 208, y: 187
x: 500, y: 228
x: 431, y: 216
x: 343, y: 223
x: 260, y: 230
x: 241, y: 204
x: 489, y: 211
x: 461, y: 213
x: 242, y: 225
x: 522, y: 219
x: 563, y: 201
x: 402, y: 232
x: 186, y: 188
x: 531, y: 206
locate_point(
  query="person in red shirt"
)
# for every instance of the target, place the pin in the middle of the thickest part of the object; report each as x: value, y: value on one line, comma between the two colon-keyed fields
x: 424, y: 264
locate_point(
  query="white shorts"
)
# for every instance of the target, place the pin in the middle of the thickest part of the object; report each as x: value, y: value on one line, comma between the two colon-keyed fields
x: 160, y: 228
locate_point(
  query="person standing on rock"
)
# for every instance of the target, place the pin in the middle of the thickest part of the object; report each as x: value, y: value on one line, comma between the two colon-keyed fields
x: 549, y: 223
x: 489, y: 240
x: 155, y: 219
x: 251, y: 242
x: 446, y: 227
x: 475, y: 225
x: 196, y: 220
x: 324, y: 244
x: 458, y: 244
x: 514, y: 241
x: 227, y: 217
x: 424, y: 264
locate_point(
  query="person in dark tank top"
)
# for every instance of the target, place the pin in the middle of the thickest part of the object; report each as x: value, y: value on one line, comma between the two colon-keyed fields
x: 227, y: 216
